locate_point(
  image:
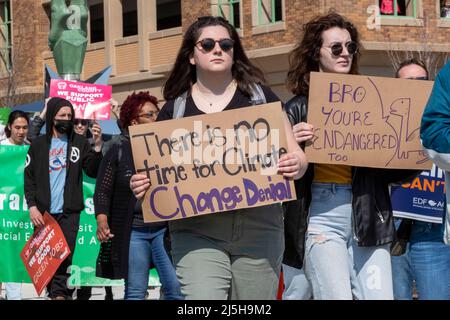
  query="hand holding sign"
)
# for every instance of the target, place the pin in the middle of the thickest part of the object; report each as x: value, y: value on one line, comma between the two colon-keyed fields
x: 44, y: 252
x: 303, y: 132
x: 36, y: 217
x: 361, y: 121
x: 213, y: 163
x: 139, y: 184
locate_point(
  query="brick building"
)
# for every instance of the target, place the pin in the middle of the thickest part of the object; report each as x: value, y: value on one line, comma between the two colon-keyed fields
x: 140, y: 38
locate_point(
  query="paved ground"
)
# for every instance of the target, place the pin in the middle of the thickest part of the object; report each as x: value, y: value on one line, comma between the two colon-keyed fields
x: 98, y: 293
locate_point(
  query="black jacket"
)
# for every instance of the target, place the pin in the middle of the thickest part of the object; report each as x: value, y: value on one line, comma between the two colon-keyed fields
x: 80, y: 155
x: 114, y: 198
x: 373, y: 222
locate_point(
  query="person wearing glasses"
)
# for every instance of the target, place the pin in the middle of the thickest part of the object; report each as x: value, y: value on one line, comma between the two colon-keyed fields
x: 80, y: 126
x: 129, y: 246
x: 235, y: 254
x: 338, y: 232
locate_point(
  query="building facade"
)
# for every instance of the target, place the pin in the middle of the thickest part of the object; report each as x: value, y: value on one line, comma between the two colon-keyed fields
x: 140, y: 38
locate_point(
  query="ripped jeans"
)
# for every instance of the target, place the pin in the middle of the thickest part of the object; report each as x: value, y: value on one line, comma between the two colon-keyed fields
x: 335, y: 265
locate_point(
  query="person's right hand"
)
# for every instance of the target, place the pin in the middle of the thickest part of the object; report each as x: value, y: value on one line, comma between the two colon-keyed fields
x: 115, y: 110
x: 36, y: 217
x: 303, y: 132
x: 103, y: 231
x: 139, y: 184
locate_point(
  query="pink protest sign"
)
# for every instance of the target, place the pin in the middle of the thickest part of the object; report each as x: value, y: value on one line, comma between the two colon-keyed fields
x: 90, y: 101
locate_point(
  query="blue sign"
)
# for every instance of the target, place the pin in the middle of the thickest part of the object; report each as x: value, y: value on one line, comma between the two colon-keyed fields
x: 423, y: 199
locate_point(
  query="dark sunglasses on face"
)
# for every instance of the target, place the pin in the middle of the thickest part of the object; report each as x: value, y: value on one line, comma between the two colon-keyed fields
x: 83, y: 122
x: 149, y: 114
x: 337, y: 48
x: 208, y: 44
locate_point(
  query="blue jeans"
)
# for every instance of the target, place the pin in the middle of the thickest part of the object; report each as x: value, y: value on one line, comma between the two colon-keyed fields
x: 147, y: 248
x: 427, y: 261
x: 334, y: 264
x: 296, y: 286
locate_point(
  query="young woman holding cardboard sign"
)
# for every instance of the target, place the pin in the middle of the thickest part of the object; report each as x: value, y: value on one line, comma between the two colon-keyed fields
x: 350, y: 215
x: 235, y: 254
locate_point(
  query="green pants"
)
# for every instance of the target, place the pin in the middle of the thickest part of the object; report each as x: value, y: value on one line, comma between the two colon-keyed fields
x: 229, y: 255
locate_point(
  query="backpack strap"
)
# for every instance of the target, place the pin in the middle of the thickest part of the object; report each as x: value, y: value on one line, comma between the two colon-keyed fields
x: 179, y: 106
x: 257, y: 96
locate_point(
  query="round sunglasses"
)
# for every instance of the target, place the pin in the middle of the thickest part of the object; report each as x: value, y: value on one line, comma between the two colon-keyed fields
x: 208, y: 44
x: 337, y: 48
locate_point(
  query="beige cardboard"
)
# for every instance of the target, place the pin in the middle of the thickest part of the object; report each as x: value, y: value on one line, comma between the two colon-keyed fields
x: 176, y: 180
x: 367, y: 121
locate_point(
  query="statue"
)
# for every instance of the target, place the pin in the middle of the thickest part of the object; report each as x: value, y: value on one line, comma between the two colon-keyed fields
x: 68, y: 36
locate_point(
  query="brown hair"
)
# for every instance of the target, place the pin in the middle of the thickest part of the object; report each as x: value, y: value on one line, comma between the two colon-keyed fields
x: 305, y: 56
x: 184, y: 75
x: 408, y: 62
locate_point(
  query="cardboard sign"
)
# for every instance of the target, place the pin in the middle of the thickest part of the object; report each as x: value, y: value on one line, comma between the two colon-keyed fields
x: 44, y: 252
x: 212, y: 163
x: 423, y: 199
x: 90, y: 101
x: 367, y: 121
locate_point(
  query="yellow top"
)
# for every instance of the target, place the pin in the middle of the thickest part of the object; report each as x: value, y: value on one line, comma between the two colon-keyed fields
x: 332, y: 173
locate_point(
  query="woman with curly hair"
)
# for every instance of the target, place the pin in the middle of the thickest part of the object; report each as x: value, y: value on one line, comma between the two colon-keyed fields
x: 129, y: 245
x: 350, y: 222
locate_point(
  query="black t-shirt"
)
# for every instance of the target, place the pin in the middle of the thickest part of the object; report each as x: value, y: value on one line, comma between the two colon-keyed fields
x: 239, y: 100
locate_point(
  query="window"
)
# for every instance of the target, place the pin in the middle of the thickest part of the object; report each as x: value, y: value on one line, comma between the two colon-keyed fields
x: 230, y: 10
x: 398, y: 8
x: 444, y: 6
x: 96, y: 22
x: 168, y: 13
x: 5, y: 36
x: 269, y: 11
x: 129, y: 18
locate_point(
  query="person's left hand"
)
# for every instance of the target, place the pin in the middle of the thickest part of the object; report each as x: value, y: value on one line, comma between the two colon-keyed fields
x: 290, y: 165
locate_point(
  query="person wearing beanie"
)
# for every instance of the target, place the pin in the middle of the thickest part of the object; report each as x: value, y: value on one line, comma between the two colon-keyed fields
x: 53, y: 180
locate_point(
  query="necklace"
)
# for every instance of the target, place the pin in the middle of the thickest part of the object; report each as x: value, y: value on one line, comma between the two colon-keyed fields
x: 216, y: 100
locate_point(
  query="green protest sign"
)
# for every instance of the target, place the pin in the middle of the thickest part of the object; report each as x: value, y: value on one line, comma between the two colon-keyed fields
x: 16, y: 227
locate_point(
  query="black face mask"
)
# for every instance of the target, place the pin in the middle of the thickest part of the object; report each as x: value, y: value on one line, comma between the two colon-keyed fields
x: 63, y: 126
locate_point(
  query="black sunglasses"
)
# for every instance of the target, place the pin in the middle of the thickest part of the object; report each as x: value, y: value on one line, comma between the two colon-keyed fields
x: 208, y: 44
x: 83, y: 122
x: 337, y: 48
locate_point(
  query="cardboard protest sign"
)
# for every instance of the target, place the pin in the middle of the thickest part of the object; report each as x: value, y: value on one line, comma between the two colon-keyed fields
x: 44, y: 252
x: 212, y: 163
x: 90, y: 101
x: 367, y: 121
x: 422, y: 199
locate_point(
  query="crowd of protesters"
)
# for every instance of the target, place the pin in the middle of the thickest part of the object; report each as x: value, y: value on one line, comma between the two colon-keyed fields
x: 326, y: 242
